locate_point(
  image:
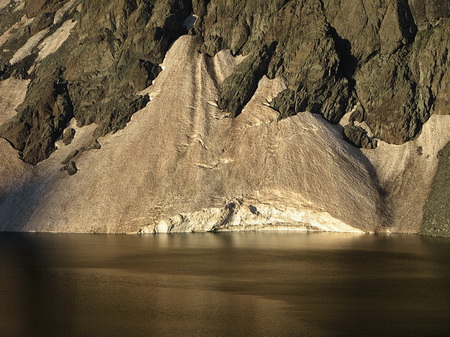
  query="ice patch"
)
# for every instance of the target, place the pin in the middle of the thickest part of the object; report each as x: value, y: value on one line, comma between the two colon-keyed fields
x: 238, y: 216
x: 345, y: 120
x: 22, y: 23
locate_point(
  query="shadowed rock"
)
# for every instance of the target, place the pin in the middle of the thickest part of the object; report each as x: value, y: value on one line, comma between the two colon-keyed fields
x: 358, y: 137
x: 237, y: 90
x: 68, y: 136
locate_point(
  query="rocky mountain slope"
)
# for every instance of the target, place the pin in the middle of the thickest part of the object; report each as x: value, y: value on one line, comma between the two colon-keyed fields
x: 159, y: 116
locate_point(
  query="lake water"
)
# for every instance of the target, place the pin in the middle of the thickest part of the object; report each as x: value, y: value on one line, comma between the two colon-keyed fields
x: 227, y: 284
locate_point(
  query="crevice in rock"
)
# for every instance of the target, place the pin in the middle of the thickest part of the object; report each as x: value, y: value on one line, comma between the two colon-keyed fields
x: 357, y: 136
x: 41, y: 118
x: 406, y: 20
x: 237, y: 90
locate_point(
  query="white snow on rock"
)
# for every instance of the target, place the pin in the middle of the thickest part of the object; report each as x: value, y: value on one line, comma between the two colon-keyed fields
x: 12, y: 93
x: 53, y: 42
x: 27, y: 48
x: 177, y: 157
x: 24, y: 21
x: 63, y: 10
x: 406, y: 172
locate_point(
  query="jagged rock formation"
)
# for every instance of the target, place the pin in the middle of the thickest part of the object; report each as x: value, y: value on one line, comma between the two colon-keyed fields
x: 388, y: 57
x: 377, y: 67
x: 113, y: 52
x: 359, y: 137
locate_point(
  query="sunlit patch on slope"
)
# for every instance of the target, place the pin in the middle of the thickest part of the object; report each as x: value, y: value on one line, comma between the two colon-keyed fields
x: 63, y: 10
x: 12, y: 94
x: 53, y: 42
x: 28, y: 47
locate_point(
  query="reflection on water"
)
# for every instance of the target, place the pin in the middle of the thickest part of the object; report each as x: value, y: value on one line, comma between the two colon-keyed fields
x: 228, y: 284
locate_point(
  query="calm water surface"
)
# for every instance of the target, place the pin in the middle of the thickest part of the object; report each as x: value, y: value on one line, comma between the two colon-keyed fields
x: 239, y: 284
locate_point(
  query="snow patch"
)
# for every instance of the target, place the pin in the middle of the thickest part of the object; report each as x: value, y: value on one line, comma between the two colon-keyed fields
x: 258, y: 111
x: 20, y: 6
x: 28, y: 47
x: 298, y: 167
x: 63, y: 10
x: 406, y: 171
x: 12, y: 94
x: 24, y: 21
x: 345, y: 120
x: 52, y: 43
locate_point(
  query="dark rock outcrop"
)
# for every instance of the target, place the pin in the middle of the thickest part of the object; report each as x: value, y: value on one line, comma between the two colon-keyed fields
x: 71, y: 168
x: 112, y: 53
x: 68, y: 136
x: 358, y: 137
x: 41, y: 119
x: 116, y: 53
x: 237, y: 90
x: 390, y: 56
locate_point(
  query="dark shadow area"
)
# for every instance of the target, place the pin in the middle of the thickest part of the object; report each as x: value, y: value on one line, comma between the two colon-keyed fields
x: 34, y: 300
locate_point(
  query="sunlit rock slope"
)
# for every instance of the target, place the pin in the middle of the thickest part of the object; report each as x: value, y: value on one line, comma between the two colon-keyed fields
x: 165, y: 116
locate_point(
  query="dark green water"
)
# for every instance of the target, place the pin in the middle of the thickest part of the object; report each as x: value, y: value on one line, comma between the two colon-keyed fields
x: 240, y: 284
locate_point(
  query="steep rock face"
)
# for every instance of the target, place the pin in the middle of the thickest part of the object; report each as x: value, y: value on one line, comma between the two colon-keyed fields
x: 41, y: 119
x: 119, y: 47
x: 388, y: 57
x: 305, y: 54
x: 238, y: 89
x: 113, y: 52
